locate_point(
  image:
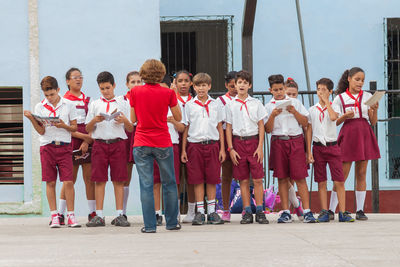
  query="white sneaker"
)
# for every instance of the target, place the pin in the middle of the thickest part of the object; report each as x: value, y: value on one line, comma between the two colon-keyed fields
x: 55, y: 221
x: 72, y: 222
x: 188, y: 218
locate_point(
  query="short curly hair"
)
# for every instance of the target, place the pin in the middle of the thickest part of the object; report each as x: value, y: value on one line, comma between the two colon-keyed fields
x: 152, y: 71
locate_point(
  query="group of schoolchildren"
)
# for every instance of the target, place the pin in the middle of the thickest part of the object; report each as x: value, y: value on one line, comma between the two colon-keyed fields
x: 226, y: 133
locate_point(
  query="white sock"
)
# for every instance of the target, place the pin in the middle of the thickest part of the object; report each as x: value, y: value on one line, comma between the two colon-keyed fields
x: 126, y: 195
x: 334, y: 201
x: 70, y: 212
x: 119, y: 213
x: 191, y: 208
x: 306, y: 211
x: 159, y: 212
x: 99, y: 213
x: 92, y: 205
x: 287, y: 211
x: 62, y: 206
x: 210, y: 206
x: 360, y: 199
x: 200, y: 207
x: 53, y: 212
x: 292, y: 197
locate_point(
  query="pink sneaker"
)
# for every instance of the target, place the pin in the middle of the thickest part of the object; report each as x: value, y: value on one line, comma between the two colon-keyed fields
x: 55, y: 221
x: 226, y: 216
x: 299, y: 211
x: 72, y: 222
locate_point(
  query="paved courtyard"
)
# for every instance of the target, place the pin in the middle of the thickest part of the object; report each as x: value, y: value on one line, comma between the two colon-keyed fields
x: 29, y: 242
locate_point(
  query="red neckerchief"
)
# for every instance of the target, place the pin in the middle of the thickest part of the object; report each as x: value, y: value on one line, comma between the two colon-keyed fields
x: 204, y: 105
x: 243, y: 103
x: 51, y: 109
x: 228, y: 96
x: 356, y: 100
x: 108, y: 103
x: 85, y: 99
x: 128, y: 95
x: 181, y: 99
x: 322, y: 114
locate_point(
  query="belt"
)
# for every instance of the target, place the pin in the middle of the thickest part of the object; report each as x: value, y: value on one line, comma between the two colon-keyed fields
x: 59, y: 143
x: 246, y: 137
x: 109, y: 141
x: 285, y: 137
x: 208, y: 142
x: 327, y: 143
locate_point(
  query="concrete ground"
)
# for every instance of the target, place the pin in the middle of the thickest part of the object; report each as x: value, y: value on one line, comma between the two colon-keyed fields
x: 376, y: 242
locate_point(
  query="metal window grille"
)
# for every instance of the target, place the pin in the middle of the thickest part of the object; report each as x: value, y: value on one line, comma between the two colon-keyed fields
x: 392, y: 77
x: 198, y: 44
x: 11, y: 136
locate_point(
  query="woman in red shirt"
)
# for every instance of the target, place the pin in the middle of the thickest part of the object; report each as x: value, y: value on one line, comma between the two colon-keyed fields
x: 149, y: 107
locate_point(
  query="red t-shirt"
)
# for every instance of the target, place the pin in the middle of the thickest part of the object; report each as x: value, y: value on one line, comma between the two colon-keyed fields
x: 151, y: 102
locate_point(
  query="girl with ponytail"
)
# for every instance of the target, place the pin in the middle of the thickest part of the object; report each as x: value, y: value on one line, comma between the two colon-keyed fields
x: 356, y: 139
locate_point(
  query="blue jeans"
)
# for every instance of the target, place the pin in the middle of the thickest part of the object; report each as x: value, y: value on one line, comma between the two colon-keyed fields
x: 144, y: 159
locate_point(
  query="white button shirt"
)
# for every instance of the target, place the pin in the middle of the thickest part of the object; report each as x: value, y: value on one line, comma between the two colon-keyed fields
x: 337, y: 105
x: 285, y: 123
x: 323, y: 128
x: 245, y: 121
x: 227, y: 98
x: 108, y: 129
x: 171, y: 129
x: 80, y: 108
x: 65, y: 111
x: 203, y: 126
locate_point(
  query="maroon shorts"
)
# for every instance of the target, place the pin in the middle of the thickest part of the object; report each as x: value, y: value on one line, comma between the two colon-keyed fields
x: 55, y: 157
x: 177, y: 166
x: 330, y: 155
x: 289, y: 158
x: 113, y: 155
x: 129, y: 145
x: 228, y: 158
x: 247, y: 163
x: 203, y: 165
x: 77, y: 142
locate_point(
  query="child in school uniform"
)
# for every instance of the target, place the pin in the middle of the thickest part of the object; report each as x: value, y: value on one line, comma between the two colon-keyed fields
x: 132, y: 79
x: 287, y: 152
x: 183, y: 82
x: 321, y: 132
x: 55, y: 147
x: 356, y: 139
x: 81, y: 140
x: 227, y: 164
x: 292, y: 91
x: 174, y: 129
x: 200, y: 150
x: 109, y: 147
x: 245, y: 137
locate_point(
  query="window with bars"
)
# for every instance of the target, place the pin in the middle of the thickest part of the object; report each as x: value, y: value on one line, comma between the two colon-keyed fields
x: 11, y: 136
x: 198, y: 44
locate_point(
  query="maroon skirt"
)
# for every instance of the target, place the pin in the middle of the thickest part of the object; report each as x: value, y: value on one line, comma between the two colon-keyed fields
x: 129, y: 145
x: 357, y: 141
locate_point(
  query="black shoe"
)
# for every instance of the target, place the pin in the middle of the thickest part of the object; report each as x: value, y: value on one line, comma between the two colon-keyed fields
x: 214, y: 218
x: 91, y: 216
x: 159, y: 219
x: 177, y: 227
x: 96, y: 221
x: 143, y: 230
x: 360, y: 215
x: 261, y: 218
x: 199, y: 219
x: 247, y: 218
x: 331, y: 215
x: 121, y: 221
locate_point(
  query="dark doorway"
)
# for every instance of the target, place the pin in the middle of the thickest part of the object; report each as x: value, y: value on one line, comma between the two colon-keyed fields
x: 198, y: 45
